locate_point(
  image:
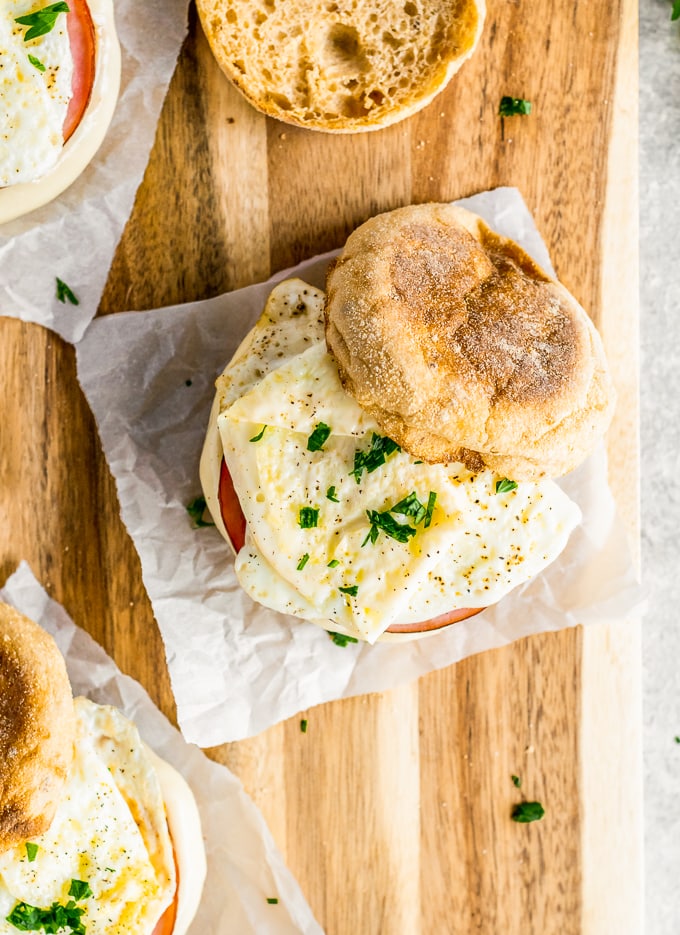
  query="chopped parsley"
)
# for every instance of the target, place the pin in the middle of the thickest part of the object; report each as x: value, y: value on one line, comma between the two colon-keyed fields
x: 385, y: 522
x: 42, y: 21
x: 272, y: 900
x: 380, y: 450
x: 514, y: 106
x: 330, y: 495
x: 341, y: 639
x: 527, y: 811
x: 410, y: 506
x: 36, y: 62
x: 505, y: 486
x: 352, y: 590
x: 333, y: 563
x: 676, y: 10
x: 309, y: 517
x: 303, y: 725
x: 196, y: 509
x: 64, y: 293
x: 55, y: 919
x: 257, y: 438
x: 79, y: 889
x: 319, y: 436
x: 303, y: 561
x: 31, y: 851
x: 516, y: 781
x: 429, y: 509
x: 677, y: 739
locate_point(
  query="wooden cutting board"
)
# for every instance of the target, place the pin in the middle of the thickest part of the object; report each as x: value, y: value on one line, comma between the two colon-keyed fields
x: 392, y: 810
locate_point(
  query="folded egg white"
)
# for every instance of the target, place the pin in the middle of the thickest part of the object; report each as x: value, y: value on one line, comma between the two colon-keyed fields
x: 312, y: 549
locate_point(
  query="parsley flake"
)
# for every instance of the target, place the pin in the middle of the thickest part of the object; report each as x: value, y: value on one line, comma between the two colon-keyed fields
x: 272, y: 900
x: 410, y: 506
x: 303, y: 725
x: 257, y: 438
x: 36, y: 62
x: 196, y: 510
x: 516, y: 781
x: 65, y: 293
x: 676, y: 10
x: 513, y: 106
x: 319, y: 436
x: 429, y: 509
x: 677, y: 739
x: 31, y: 851
x: 79, y: 889
x: 341, y: 639
x: 55, y: 919
x: 385, y: 522
x: 333, y: 563
x: 352, y: 590
x: 42, y: 21
x: 505, y: 486
x: 527, y: 811
x: 380, y: 450
x: 330, y: 495
x: 303, y: 561
x: 309, y: 517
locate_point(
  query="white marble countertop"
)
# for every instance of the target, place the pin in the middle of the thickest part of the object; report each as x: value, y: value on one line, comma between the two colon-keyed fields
x: 660, y: 445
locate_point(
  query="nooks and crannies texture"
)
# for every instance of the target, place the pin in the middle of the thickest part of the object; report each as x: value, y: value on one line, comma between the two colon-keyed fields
x: 341, y: 65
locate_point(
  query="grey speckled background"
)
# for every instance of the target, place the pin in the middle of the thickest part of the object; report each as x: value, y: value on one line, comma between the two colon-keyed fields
x: 660, y: 310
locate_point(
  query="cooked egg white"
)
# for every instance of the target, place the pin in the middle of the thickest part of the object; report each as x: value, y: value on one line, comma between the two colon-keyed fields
x: 478, y: 545
x: 33, y: 103
x: 110, y: 831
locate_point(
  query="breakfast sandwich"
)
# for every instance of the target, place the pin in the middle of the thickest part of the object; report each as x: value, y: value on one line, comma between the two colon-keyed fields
x: 380, y: 457
x: 58, y: 88
x: 98, y: 835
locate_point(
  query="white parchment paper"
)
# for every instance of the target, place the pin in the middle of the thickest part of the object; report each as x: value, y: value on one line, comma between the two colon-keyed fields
x: 236, y: 667
x: 75, y: 236
x: 244, y: 865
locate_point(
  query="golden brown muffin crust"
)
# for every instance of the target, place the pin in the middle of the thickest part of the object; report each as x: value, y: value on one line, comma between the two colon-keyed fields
x: 462, y: 348
x: 37, y: 727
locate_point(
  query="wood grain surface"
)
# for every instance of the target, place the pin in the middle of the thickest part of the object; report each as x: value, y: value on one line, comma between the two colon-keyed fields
x: 392, y: 810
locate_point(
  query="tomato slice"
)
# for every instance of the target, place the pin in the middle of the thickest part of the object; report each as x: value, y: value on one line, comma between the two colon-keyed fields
x: 82, y: 37
x: 166, y: 923
x: 235, y: 524
x: 232, y: 514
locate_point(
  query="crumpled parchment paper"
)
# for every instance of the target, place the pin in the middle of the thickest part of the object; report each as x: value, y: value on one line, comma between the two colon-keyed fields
x: 236, y: 667
x: 75, y: 236
x: 244, y: 865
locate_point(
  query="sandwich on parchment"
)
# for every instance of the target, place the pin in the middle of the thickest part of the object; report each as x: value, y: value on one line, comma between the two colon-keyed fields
x: 344, y: 66
x: 380, y: 457
x: 98, y: 835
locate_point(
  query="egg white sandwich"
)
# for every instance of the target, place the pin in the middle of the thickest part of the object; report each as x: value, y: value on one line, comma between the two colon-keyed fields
x: 380, y: 457
x: 98, y: 835
x: 59, y: 84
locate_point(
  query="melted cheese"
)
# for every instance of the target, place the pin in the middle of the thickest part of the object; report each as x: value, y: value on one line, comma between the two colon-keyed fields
x: 110, y: 830
x: 478, y: 547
